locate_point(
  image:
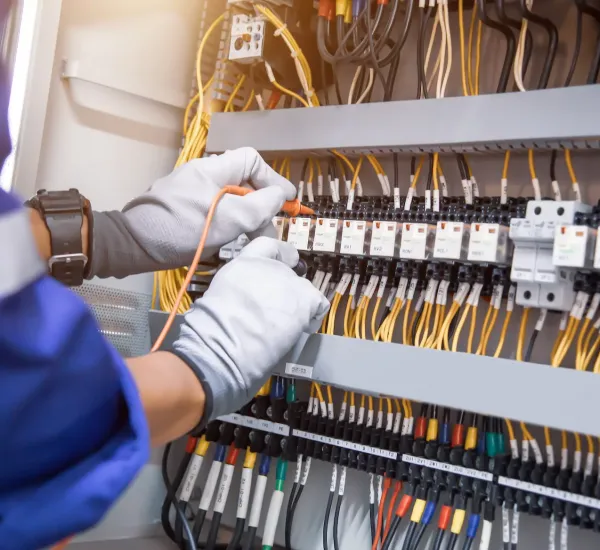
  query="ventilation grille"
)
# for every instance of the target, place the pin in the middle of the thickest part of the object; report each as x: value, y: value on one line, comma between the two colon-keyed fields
x: 122, y: 316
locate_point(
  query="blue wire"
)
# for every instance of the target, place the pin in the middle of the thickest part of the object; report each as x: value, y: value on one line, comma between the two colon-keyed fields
x: 220, y: 453
x: 264, y: 466
x: 429, y: 513
x: 473, y: 526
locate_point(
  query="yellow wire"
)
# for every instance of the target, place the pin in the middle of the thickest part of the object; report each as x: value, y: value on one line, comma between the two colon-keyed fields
x: 459, y: 327
x: 511, y: 430
x: 418, y: 172
x: 205, y: 38
x: 461, y: 24
x: 530, y: 157
x: 238, y: 87
x: 522, y: 333
x: 488, y: 333
x: 470, y: 51
x: 478, y: 57
x: 472, y: 329
x: 569, y: 163
x: 249, y: 102
x: 435, y: 171
x: 405, y: 333
x: 577, y: 442
x: 374, y: 318
x: 506, y: 165
x: 356, y: 172
x: 347, y: 317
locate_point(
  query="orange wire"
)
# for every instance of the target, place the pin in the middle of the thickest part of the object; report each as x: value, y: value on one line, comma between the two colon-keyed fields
x: 392, y: 507
x: 386, y: 485
x: 231, y: 190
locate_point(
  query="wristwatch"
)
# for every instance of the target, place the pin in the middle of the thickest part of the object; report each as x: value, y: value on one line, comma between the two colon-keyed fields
x: 63, y: 213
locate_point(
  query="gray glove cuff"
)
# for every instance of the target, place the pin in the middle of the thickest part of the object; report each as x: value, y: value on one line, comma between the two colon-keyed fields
x: 208, y: 394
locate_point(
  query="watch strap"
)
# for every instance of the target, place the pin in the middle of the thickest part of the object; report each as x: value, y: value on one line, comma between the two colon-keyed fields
x: 63, y: 213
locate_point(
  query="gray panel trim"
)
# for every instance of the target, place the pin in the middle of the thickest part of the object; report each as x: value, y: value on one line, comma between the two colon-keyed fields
x: 561, y: 398
x: 488, y: 122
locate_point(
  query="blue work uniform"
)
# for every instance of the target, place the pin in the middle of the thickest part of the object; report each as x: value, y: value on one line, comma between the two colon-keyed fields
x: 73, y: 434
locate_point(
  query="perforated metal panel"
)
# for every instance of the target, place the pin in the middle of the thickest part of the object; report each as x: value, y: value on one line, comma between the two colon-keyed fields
x: 122, y: 316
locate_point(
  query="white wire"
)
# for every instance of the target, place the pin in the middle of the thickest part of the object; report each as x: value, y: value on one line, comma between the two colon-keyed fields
x: 368, y: 88
x: 564, y: 535
x: 442, y: 69
x: 552, y: 534
x: 449, y: 44
x: 354, y: 83
x: 519, y: 56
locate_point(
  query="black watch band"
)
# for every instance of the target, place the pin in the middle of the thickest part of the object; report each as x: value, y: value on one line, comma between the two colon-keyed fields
x: 63, y: 213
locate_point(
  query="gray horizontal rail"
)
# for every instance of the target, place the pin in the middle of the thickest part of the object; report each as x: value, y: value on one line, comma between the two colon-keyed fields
x: 537, y: 394
x: 566, y: 117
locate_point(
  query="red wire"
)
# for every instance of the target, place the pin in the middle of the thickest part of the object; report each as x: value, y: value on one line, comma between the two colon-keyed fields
x: 232, y: 456
x: 386, y: 486
x: 388, y: 519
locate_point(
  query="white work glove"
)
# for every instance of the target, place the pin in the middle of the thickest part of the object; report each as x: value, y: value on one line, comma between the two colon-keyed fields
x: 161, y: 229
x: 254, y: 312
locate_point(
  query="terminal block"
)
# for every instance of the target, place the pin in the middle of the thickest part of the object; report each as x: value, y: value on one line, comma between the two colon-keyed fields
x: 540, y: 283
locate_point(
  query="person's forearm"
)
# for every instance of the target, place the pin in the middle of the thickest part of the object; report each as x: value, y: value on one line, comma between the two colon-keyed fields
x: 172, y: 396
x: 42, y: 235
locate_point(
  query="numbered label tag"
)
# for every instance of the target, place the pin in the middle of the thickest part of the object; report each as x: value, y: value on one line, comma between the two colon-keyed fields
x: 326, y: 231
x: 299, y: 233
x: 414, y: 241
x: 570, y: 245
x: 383, y: 239
x: 279, y: 224
x: 353, y: 237
x: 448, y: 240
x: 483, y: 245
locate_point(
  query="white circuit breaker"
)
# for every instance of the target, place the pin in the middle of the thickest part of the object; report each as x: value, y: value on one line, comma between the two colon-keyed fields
x: 540, y: 281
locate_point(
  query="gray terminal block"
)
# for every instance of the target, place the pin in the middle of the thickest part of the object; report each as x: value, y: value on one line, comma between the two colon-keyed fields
x: 541, y: 283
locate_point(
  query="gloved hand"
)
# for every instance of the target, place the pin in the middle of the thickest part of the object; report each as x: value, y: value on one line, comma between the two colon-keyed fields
x: 253, y: 313
x: 161, y: 229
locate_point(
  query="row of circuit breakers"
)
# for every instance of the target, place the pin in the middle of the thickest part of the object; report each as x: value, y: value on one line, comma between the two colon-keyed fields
x: 544, y: 243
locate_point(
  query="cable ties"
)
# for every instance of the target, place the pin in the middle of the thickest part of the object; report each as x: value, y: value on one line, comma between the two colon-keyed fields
x: 279, y: 31
x: 294, y: 54
x: 525, y: 450
x: 537, y: 452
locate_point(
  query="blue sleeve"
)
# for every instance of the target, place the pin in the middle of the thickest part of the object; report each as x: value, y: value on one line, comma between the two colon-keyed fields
x: 73, y: 432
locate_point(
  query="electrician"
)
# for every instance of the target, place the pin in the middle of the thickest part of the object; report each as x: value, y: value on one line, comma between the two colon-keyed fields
x: 76, y: 420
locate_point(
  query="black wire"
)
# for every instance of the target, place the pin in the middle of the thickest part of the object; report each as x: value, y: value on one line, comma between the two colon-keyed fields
x: 552, y: 32
x: 468, y: 543
x: 198, y: 524
x: 452, y: 542
x: 326, y: 521
x: 172, y: 486
x: 417, y: 539
x: 530, y: 346
x: 237, y: 534
x: 372, y: 520
x: 578, y: 40
x: 336, y: 522
x: 422, y: 80
x: 373, y: 52
x: 396, y: 172
x: 410, y: 532
x: 392, y: 533
x: 511, y: 45
x: 593, y: 76
x: 439, y: 539
x: 430, y: 173
x: 249, y: 540
x: 288, y: 517
x: 214, y: 531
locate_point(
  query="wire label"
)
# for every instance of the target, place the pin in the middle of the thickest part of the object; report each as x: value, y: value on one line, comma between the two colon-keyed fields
x: 299, y: 371
x: 450, y: 468
x: 383, y: 239
x: 353, y: 237
x: 549, y: 492
x: 345, y: 444
x: 326, y: 232
x: 256, y: 424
